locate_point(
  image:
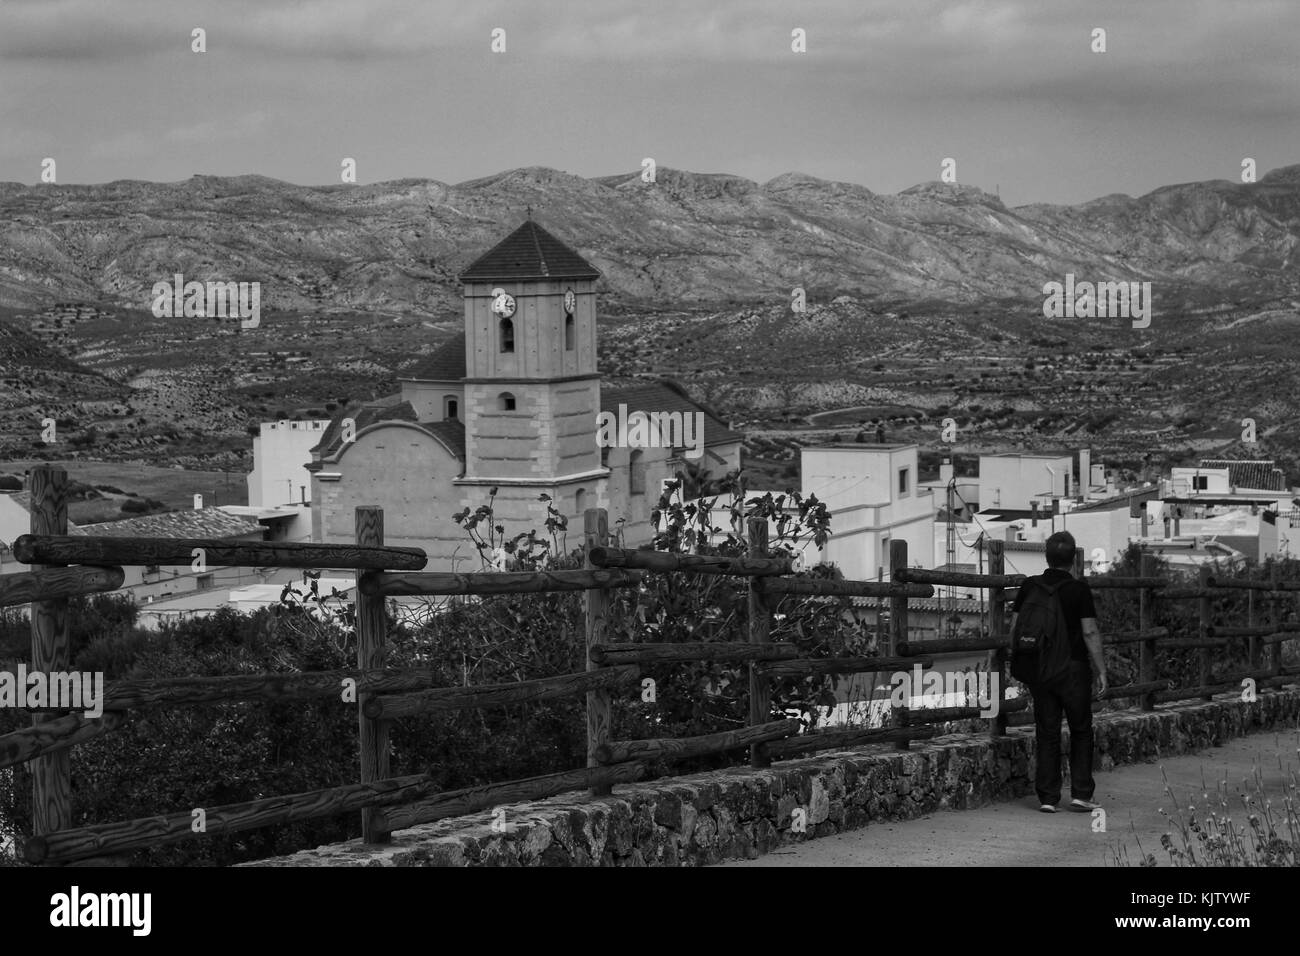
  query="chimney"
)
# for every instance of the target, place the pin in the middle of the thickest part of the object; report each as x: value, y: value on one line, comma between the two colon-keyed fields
x: 303, y: 490
x: 1085, y: 470
x: 1033, y: 514
x: 198, y: 502
x: 946, y: 471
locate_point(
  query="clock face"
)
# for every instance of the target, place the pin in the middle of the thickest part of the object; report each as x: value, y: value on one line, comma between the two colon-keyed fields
x: 570, y: 301
x: 504, y: 305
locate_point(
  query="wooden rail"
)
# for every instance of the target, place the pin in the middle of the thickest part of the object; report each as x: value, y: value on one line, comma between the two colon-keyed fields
x: 491, y: 582
x: 1279, y: 586
x: 385, y: 694
x: 54, y: 735
x: 959, y: 578
x: 827, y: 588
x: 617, y: 751
x: 804, y: 666
x: 664, y: 562
x: 690, y: 651
x: 49, y: 584
x: 71, y: 549
x: 390, y: 707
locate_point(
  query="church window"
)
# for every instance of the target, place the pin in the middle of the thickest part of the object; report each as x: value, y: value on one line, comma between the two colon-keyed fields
x: 568, y: 333
x: 580, y: 501
x: 450, y: 408
x: 507, y: 335
x: 636, y: 473
x: 506, y: 401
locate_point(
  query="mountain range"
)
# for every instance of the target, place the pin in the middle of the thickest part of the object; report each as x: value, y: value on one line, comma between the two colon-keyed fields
x: 685, y: 241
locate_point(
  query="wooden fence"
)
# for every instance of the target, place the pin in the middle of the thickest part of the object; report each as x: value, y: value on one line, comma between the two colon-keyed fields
x: 84, y: 565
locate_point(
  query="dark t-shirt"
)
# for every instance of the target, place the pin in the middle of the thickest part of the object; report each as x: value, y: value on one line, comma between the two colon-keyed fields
x: 1076, y: 601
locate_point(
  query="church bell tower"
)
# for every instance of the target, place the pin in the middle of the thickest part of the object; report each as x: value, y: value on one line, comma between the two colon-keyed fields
x: 532, y: 391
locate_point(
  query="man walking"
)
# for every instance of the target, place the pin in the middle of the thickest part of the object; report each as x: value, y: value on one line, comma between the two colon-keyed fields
x: 1070, y: 691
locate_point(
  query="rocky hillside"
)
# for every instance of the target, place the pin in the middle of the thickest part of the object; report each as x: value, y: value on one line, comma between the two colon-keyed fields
x: 691, y: 240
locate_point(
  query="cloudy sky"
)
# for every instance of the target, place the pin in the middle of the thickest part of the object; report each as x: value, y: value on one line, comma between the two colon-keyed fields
x: 885, y: 91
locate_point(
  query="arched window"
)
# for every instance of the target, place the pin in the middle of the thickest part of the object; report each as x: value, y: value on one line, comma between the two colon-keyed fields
x: 580, y: 501
x: 636, y: 473
x: 568, y: 334
x: 450, y: 408
x: 507, y: 335
x: 506, y: 401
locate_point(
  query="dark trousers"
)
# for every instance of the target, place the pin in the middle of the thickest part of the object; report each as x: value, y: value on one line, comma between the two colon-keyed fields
x: 1070, y: 695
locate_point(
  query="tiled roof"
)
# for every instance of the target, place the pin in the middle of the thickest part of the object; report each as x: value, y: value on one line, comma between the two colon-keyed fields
x: 445, y: 364
x: 362, y: 414
x: 451, y: 434
x: 1119, y: 501
x: 194, y: 523
x: 530, y: 252
x: 1250, y: 474
x: 661, y: 398
x: 947, y: 605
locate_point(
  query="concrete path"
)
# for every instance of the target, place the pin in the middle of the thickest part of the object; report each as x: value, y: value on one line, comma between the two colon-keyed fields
x: 1017, y: 834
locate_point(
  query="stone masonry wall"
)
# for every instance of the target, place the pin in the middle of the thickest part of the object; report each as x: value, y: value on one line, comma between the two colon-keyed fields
x: 741, y: 812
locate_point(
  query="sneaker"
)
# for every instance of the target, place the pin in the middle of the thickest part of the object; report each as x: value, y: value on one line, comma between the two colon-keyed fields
x: 1047, y: 808
x: 1083, y: 806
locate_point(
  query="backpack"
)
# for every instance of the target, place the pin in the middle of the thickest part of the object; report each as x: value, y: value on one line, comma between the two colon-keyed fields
x: 1040, y: 641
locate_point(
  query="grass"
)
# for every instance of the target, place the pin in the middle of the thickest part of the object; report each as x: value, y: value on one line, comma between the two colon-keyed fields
x: 1231, y: 827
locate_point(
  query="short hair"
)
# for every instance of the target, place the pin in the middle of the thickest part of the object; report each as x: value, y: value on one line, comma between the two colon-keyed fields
x: 1060, y: 550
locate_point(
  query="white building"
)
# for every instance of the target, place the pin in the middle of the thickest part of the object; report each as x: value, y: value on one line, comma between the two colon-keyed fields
x: 873, y: 496
x: 1013, y: 480
x: 280, y: 456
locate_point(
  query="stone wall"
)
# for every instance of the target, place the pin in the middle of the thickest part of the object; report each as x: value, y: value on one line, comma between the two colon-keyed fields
x: 740, y: 812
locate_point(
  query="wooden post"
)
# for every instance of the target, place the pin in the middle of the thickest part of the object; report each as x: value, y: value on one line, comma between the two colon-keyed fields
x: 1203, y: 624
x: 760, y: 632
x: 372, y: 638
x: 1147, y: 650
x: 51, y: 651
x: 997, y: 629
x: 595, y: 531
x: 897, y: 609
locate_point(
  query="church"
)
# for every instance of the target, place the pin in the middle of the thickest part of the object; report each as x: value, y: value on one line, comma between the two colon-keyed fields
x: 512, y: 403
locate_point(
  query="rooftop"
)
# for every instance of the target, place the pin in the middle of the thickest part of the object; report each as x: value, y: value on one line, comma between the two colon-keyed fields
x: 444, y: 364
x: 211, y: 522
x: 1258, y: 474
x: 530, y: 252
x: 1021, y: 454
x: 866, y: 445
